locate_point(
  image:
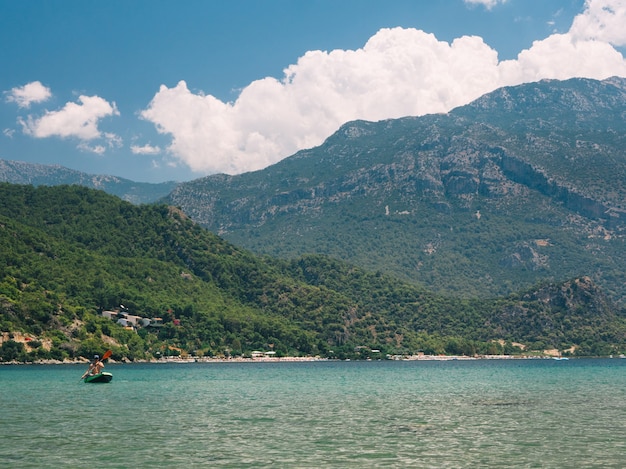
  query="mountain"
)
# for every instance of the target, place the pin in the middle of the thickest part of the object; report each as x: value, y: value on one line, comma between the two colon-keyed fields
x: 526, y: 183
x: 18, y: 172
x: 70, y: 253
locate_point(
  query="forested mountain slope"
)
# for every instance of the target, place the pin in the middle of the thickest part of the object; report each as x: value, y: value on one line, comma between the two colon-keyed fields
x: 68, y: 253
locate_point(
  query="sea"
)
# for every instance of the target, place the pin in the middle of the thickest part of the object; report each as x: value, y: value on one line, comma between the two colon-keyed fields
x: 526, y: 413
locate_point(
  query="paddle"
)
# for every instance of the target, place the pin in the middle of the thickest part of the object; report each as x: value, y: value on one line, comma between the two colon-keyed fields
x: 106, y: 355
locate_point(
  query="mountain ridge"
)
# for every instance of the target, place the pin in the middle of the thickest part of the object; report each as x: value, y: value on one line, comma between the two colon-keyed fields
x: 19, y: 172
x: 525, y: 183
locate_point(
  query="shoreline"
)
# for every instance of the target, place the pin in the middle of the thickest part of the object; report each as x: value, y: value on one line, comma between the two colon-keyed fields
x: 178, y: 360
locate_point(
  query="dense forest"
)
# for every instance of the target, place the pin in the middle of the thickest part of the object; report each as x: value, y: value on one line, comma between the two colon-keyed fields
x: 69, y: 253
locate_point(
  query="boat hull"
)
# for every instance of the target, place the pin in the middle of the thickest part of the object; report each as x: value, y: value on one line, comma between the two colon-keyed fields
x: 103, y: 377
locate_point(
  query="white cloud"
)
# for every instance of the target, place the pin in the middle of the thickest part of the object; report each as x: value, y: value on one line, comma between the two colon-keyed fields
x: 97, y: 149
x: 488, y: 4
x: 398, y: 72
x: 145, y: 149
x: 561, y: 57
x: 602, y: 20
x: 79, y: 120
x: 33, y: 92
x: 113, y: 140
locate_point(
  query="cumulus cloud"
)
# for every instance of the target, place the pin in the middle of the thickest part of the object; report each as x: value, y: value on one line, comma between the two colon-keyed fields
x: 488, y: 4
x: 398, y: 72
x: 145, y: 149
x: 602, y: 20
x: 561, y: 56
x: 33, y: 92
x: 78, y: 120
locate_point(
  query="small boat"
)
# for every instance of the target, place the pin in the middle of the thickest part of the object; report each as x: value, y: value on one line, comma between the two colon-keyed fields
x: 103, y: 377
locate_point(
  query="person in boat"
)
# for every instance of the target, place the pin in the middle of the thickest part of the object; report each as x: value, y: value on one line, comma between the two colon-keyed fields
x: 95, y: 367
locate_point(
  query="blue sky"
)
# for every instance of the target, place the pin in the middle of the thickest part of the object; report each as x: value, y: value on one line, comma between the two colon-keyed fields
x: 156, y: 90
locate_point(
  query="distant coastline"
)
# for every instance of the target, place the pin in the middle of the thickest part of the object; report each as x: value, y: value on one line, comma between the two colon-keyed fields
x: 84, y: 361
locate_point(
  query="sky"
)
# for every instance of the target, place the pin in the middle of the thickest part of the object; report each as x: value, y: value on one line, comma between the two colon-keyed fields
x: 174, y: 90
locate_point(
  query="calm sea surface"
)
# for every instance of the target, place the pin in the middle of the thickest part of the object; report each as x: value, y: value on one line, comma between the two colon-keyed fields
x: 439, y: 414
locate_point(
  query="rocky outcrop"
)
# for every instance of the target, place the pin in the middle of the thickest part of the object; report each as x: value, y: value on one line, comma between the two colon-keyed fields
x: 524, y: 173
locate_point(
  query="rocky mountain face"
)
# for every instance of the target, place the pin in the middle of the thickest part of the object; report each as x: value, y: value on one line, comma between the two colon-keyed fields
x: 524, y: 184
x: 18, y: 172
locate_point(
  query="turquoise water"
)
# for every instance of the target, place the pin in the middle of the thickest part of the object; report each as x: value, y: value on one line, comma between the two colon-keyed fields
x: 450, y: 414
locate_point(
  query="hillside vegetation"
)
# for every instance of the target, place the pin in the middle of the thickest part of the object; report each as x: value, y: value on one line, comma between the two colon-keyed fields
x: 68, y: 253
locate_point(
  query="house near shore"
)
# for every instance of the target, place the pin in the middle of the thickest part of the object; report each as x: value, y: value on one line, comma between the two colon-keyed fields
x: 110, y: 314
x: 132, y: 321
x: 259, y: 354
